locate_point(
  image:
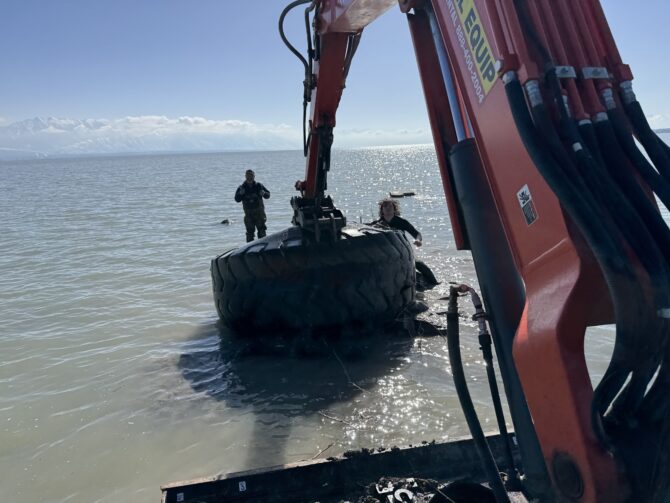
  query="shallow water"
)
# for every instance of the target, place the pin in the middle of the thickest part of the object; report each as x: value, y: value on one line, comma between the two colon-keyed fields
x: 115, y: 375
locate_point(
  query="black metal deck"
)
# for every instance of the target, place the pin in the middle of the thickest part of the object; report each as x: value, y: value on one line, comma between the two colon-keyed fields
x: 339, y: 478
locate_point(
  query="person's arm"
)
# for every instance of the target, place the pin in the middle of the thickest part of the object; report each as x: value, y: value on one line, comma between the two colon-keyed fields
x: 239, y: 193
x: 418, y: 239
x: 406, y: 226
x: 264, y: 192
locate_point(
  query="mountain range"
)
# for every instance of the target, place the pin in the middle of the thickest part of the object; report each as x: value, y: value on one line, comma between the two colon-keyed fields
x: 60, y: 137
x: 51, y: 136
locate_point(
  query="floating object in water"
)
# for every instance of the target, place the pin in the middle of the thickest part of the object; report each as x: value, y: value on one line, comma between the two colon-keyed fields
x: 402, y: 193
x: 225, y: 221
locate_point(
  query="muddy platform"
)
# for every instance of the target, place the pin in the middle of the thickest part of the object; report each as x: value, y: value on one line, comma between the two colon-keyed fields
x: 418, y: 473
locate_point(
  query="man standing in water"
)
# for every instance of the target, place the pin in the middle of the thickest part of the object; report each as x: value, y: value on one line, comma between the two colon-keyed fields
x: 251, y: 195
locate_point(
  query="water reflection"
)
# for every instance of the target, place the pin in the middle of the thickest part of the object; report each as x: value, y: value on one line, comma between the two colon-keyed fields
x: 279, y: 378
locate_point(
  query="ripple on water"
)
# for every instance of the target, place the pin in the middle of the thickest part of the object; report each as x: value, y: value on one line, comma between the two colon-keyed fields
x: 112, y: 359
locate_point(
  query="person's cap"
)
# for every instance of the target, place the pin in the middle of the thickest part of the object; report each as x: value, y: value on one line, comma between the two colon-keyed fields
x: 249, y: 172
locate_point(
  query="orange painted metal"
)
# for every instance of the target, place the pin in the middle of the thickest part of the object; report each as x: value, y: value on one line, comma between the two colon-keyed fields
x: 560, y: 56
x: 337, y: 20
x: 564, y: 286
x: 590, y: 40
x: 565, y: 290
x: 329, y: 71
x: 439, y: 111
x: 607, y: 45
x: 528, y: 69
x: 577, y: 55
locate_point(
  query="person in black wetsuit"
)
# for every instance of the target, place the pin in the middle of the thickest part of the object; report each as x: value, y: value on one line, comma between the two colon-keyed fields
x: 389, y: 216
x: 251, y: 194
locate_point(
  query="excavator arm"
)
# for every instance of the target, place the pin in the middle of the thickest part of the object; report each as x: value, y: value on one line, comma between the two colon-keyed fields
x: 338, y: 27
x: 533, y: 118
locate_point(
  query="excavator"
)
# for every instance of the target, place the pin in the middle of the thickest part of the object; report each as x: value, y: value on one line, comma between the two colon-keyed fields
x: 553, y: 180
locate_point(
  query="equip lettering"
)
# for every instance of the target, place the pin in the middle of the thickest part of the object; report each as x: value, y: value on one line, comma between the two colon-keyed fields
x: 478, y: 43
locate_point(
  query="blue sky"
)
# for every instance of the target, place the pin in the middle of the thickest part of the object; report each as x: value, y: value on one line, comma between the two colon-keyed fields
x: 222, y: 60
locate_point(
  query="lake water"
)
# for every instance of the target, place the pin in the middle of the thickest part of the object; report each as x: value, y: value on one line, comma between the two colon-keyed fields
x: 115, y: 375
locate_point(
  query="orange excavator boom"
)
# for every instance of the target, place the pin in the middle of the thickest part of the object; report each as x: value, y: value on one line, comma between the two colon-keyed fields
x: 533, y: 118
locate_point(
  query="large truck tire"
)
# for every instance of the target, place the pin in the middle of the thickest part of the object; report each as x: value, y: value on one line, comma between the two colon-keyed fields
x: 282, y: 283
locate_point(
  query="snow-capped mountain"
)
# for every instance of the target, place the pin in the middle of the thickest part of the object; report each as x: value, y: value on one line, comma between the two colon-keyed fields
x: 42, y: 137
x: 51, y: 136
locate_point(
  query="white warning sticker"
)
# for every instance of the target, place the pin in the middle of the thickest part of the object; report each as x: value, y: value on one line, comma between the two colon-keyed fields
x: 527, y: 205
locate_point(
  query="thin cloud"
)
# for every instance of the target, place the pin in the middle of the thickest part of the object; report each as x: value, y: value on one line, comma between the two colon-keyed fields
x: 380, y: 137
x: 658, y: 121
x: 158, y: 133
x: 147, y: 133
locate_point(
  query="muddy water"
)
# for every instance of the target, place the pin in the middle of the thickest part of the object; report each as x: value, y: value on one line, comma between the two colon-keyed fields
x: 115, y: 375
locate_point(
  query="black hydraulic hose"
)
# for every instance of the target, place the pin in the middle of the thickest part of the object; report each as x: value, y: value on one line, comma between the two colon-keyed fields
x: 619, y: 275
x: 497, y: 405
x: 588, y: 134
x: 631, y: 398
x: 634, y: 233
x: 664, y: 146
x: 307, y: 83
x: 503, y: 290
x: 616, y: 370
x: 352, y: 46
x: 308, y: 78
x: 453, y: 344
x: 627, y: 324
x: 648, y: 138
x: 602, y: 192
x: 283, y: 36
x: 644, y: 361
x: 659, y: 185
x: 609, y: 386
x: 485, y: 343
x: 656, y: 405
x: 308, y: 31
x: 641, y: 354
x: 615, y: 157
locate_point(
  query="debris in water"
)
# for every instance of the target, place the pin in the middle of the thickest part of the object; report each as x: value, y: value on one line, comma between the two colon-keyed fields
x: 402, y: 193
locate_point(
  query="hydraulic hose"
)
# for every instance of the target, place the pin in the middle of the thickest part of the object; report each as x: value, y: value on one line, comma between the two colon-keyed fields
x: 647, y: 137
x: 619, y: 275
x: 642, y: 359
x: 588, y: 134
x: 615, y: 157
x: 617, y: 205
x: 295, y: 51
x: 630, y: 358
x: 485, y: 344
x: 659, y: 185
x: 628, y: 402
x: 307, y: 83
x: 656, y: 406
x: 654, y: 325
x: 503, y: 290
x: 664, y: 146
x: 453, y: 345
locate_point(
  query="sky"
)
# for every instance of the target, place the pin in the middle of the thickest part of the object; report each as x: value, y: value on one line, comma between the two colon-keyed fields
x: 213, y: 65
